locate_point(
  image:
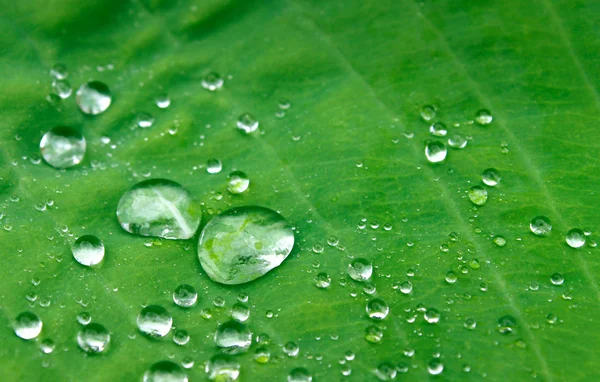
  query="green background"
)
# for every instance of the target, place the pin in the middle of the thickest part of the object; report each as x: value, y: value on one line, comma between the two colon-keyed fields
x: 357, y: 74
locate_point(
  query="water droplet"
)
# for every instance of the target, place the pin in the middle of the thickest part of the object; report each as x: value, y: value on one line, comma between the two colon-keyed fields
x: 154, y: 321
x: 187, y: 362
x: 244, y: 243
x: 62, y: 88
x: 165, y: 371
x: 144, y: 120
x: 435, y: 151
x: 291, y: 349
x: 432, y: 316
x: 212, y: 81
x: 62, y: 147
x: 377, y: 309
x: 284, y: 104
x: 451, y: 277
x: 161, y: 208
x: 59, y: 71
x: 27, y: 325
x: 478, y: 195
x: 222, y: 368
x: 483, y: 117
x: 247, y: 123
x: 360, y: 269
x: 457, y: 141
x: 557, y: 279
x: 162, y: 101
x: 88, y: 250
x: 540, y: 225
x: 233, y: 337
x: 406, y: 287
x: 237, y: 182
x: 47, y: 346
x: 240, y: 312
x: 323, y: 280
x: 428, y: 113
x: 385, y: 371
x: 551, y: 319
x: 575, y: 238
x: 299, y: 374
x: 470, y: 323
x: 181, y: 337
x: 185, y: 296
x: 507, y: 324
x: 500, y: 241
x: 262, y: 355
x: 93, y: 97
x: 84, y: 318
x: 214, y: 166
x: 438, y: 129
x: 491, y: 177
x: 93, y: 338
x: 369, y: 288
x: 373, y: 334
x: 435, y: 367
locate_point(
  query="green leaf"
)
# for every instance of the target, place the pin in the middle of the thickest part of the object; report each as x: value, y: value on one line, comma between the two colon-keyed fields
x: 349, y: 153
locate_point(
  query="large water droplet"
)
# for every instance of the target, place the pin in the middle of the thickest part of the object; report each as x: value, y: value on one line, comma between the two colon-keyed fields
x: 491, y: 177
x: 185, y: 296
x: 435, y: 366
x: 233, y: 337
x: 299, y: 374
x: 88, y: 250
x: 159, y: 207
x: 93, y: 97
x: 540, y: 225
x: 93, y: 338
x: 377, y: 309
x: 237, y: 182
x: 575, y: 238
x: 438, y: 129
x: 478, y: 195
x: 240, y: 312
x: 62, y: 147
x: 385, y: 371
x: 435, y: 151
x: 213, y: 166
x: 27, y: 325
x: 360, y: 269
x: 506, y: 324
x: 500, y: 241
x: 222, y: 368
x: 483, y: 117
x: 244, y: 243
x: 432, y: 316
x: 165, y: 371
x: 154, y: 321
x: 247, y: 123
x: 212, y: 81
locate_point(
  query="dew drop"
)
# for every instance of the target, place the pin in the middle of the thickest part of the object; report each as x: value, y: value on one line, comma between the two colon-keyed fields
x: 27, y: 325
x: 93, y: 338
x: 323, y: 280
x: 428, y: 113
x: 451, y: 277
x: 212, y: 81
x: 262, y: 355
x: 162, y: 101
x: 88, y: 250
x: 435, y: 367
x: 540, y: 225
x: 299, y: 374
x: 93, y: 97
x: 222, y: 368
x: 438, y: 129
x: 144, y: 120
x: 237, y: 182
x: 478, y: 195
x: 500, y: 241
x: 181, y: 337
x: 373, y: 334
x: 160, y: 208
x: 240, y: 312
x: 291, y: 349
x: 406, y: 287
x: 154, y: 321
x: 385, y: 371
x: 233, y: 337
x: 59, y: 71
x: 84, y: 318
x: 432, y: 316
x: 62, y: 88
x: 506, y: 324
x: 247, y: 123
x: 483, y: 117
x: 165, y: 371
x: 435, y: 151
x: 491, y: 177
x: 470, y: 323
x: 377, y: 309
x: 557, y: 279
x: 457, y: 141
x: 214, y: 166
x: 63, y: 147
x: 575, y: 238
x: 47, y: 346
x: 185, y: 296
x: 360, y: 270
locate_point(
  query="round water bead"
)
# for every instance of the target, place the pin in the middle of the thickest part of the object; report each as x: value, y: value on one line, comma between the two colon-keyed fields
x: 93, y: 338
x: 373, y: 334
x: 159, y: 207
x: 438, y: 129
x: 575, y: 238
x: 428, y: 112
x: 237, y: 182
x: 185, y: 296
x: 165, y: 371
x: 162, y: 101
x: 27, y: 325
x: 483, y: 117
x: 222, y: 368
x: 247, y: 123
x: 507, y: 324
x: 360, y: 270
x: 181, y: 337
x: 435, y: 367
x: 212, y: 81
x: 240, y: 312
x: 299, y: 374
x: 323, y: 280
x: 377, y: 309
x: 491, y: 177
x: 500, y: 241
x: 47, y: 346
x: 478, y: 195
x: 59, y: 71
x: 262, y: 355
x: 93, y: 97
x: 540, y: 225
x: 63, y: 147
x: 435, y: 151
x: 144, y: 120
x: 385, y: 371
x: 457, y: 141
x: 88, y: 250
x: 62, y: 88
x: 233, y: 337
x: 243, y: 243
x: 213, y: 166
x: 154, y: 321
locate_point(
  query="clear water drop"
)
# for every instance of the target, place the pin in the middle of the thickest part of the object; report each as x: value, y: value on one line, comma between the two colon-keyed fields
x: 500, y: 241
x: 154, y: 321
x: 88, y: 250
x: 162, y: 101
x: 237, y: 182
x: 240, y: 312
x: 59, y: 71
x: 451, y: 277
x: 438, y: 129
x: 360, y: 270
x: 299, y: 374
x: 435, y: 151
x: 213, y: 166
x: 47, y: 346
x: 478, y: 195
x: 373, y: 334
x: 181, y: 337
x: 507, y: 324
x: 27, y: 325
x: 243, y: 243
x: 144, y: 120
x: 483, y: 117
x: 323, y: 280
x: 428, y: 113
x: 291, y: 349
x: 233, y: 337
x: 406, y: 287
x: 62, y: 88
x: 432, y: 316
x: 262, y: 355
x: 165, y: 371
x: 540, y: 225
x: 377, y: 309
x: 491, y: 177
x: 93, y: 97
x: 385, y: 371
x: 185, y: 296
x: 222, y: 368
x: 160, y: 208
x: 212, y: 81
x: 457, y: 141
x: 470, y: 323
x: 84, y: 318
x: 435, y: 367
x: 575, y: 238
x: 93, y: 338
x: 247, y: 123
x: 63, y: 147
x: 557, y: 279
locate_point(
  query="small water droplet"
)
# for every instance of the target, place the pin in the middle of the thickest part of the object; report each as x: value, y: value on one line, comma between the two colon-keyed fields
x: 323, y: 280
x: 483, y: 117
x: 438, y: 129
x: 491, y: 177
x: 435, y: 151
x: 377, y: 309
x: 478, y: 195
x: 162, y: 101
x: 435, y: 367
x: 222, y: 368
x: 507, y: 324
x: 385, y: 371
x: 291, y: 349
x: 360, y: 270
x: 299, y: 374
x: 237, y: 182
x: 428, y: 113
x: 154, y: 321
x: 557, y: 279
x: 540, y: 225
x: 93, y: 97
x: 185, y: 296
x: 63, y: 147
x: 247, y: 123
x: 451, y: 277
x: 144, y: 120
x: 214, y: 166
x: 47, y: 346
x: 500, y: 241
x: 27, y: 325
x: 432, y: 316
x: 165, y: 371
x: 240, y: 312
x: 575, y: 238
x: 470, y: 323
x: 84, y: 318
x: 62, y: 88
x: 181, y: 337
x: 59, y: 71
x: 212, y: 81
x: 93, y: 338
x: 233, y: 337
x: 88, y: 250
x: 262, y: 355
x: 457, y: 141
x: 406, y: 287
x: 373, y: 334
